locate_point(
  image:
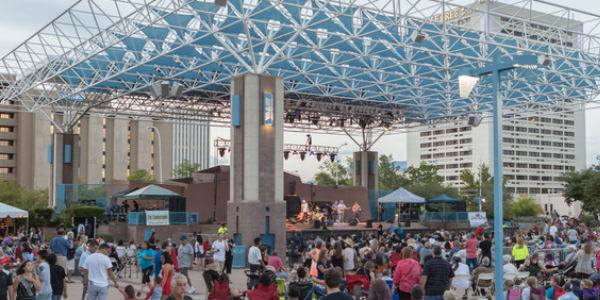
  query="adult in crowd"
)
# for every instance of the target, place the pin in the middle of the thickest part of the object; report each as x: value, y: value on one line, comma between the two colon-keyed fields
x: 254, y: 257
x: 43, y: 271
x: 57, y: 279
x: 27, y: 282
x: 96, y: 271
x: 277, y: 264
x: 70, y: 255
x: 265, y: 290
x: 59, y: 245
x: 229, y: 254
x: 179, y: 284
x: 333, y: 281
x: 379, y: 290
x: 584, y: 261
x: 218, y: 249
x: 437, y: 275
x: 408, y: 274
x: 520, y: 252
x: 166, y: 274
x: 185, y: 257
x: 157, y: 260
x: 146, y: 259
x: 7, y: 290
x: 471, y: 251
x: 92, y: 247
x: 486, y: 248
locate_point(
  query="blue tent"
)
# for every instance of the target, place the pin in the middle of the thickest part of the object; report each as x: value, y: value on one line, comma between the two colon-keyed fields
x: 443, y: 198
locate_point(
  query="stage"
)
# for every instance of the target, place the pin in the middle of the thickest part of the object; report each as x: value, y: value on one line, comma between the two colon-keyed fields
x: 361, y: 229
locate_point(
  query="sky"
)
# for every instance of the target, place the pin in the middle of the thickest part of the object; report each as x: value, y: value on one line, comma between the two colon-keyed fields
x: 21, y: 19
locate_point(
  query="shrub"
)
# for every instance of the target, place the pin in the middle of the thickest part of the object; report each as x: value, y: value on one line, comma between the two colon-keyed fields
x: 41, y: 217
x: 107, y: 237
x: 82, y: 211
x: 588, y: 220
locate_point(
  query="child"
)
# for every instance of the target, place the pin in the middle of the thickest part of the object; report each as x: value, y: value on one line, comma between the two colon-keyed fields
x: 128, y: 293
x: 589, y: 292
x: 509, y: 292
x: 221, y: 288
x: 554, y: 287
x: 155, y: 292
x: 569, y: 295
x: 531, y: 284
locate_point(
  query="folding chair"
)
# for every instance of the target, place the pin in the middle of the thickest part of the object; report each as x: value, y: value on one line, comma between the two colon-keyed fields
x: 281, y: 289
x: 357, y: 285
x: 510, y: 276
x: 480, y: 279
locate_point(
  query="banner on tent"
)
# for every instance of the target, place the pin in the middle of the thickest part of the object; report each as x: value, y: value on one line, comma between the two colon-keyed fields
x: 157, y: 217
x: 477, y: 219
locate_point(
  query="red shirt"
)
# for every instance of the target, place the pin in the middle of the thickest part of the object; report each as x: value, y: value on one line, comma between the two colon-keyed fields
x: 261, y: 292
x: 471, y: 246
x: 408, y: 274
x: 478, y: 231
x: 275, y: 262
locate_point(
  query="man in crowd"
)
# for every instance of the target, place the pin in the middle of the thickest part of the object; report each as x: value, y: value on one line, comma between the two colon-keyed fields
x: 471, y: 246
x: 43, y: 271
x: 59, y: 246
x: 254, y: 257
x: 179, y: 285
x: 437, y: 275
x: 333, y: 281
x: 6, y: 281
x: 96, y: 270
x: 185, y: 257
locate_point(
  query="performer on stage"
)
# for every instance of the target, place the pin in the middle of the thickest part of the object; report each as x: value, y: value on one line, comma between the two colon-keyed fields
x: 356, y: 209
x: 334, y: 211
x: 341, y: 207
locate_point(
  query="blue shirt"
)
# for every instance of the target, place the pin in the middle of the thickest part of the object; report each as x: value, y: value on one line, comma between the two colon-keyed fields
x: 59, y: 245
x: 550, y: 293
x: 157, y: 262
x: 145, y: 263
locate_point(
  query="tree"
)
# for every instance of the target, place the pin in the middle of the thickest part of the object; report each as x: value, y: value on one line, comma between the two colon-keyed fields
x: 425, y: 173
x: 584, y: 186
x: 327, y: 174
x: 140, y: 175
x: 15, y: 195
x: 185, y: 169
x: 471, y: 189
x: 425, y: 182
x: 526, y: 207
x: 390, y: 177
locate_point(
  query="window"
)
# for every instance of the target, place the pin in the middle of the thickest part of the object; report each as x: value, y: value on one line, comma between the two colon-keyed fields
x: 6, y: 170
x: 522, y: 141
x: 438, y: 132
x: 534, y: 190
x: 570, y: 156
x: 557, y: 167
x: 534, y: 154
x: 521, y: 129
x: 463, y: 129
x: 452, y: 166
x: 569, y: 133
x: 511, y: 189
x: 425, y: 145
x: 452, y: 130
x: 557, y: 132
x: 557, y: 155
x: 557, y: 144
x: 546, y: 131
x: 6, y: 142
x: 440, y: 167
x: 451, y: 178
x: 451, y: 142
x: 426, y: 133
x: 438, y: 155
x: 546, y: 120
x: 546, y: 178
x: 6, y: 129
x: 464, y: 153
x: 511, y: 177
x: 6, y: 115
x: 534, y: 142
x: 534, y: 178
x: 508, y: 152
x: 508, y: 164
x: 533, y: 130
x: 534, y: 166
x: 466, y: 165
x: 569, y: 122
x: 452, y: 154
x: 557, y: 121
x: 546, y: 155
x: 6, y: 156
x: 546, y: 167
x: 521, y: 190
x: 508, y: 140
x: 521, y: 177
x: 522, y: 153
x: 437, y: 144
x: 508, y: 128
x: 546, y: 143
x: 425, y: 156
x: 569, y: 145
x: 521, y: 165
x: 466, y: 141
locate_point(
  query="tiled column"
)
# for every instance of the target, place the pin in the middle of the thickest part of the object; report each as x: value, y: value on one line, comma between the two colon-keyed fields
x: 256, y: 207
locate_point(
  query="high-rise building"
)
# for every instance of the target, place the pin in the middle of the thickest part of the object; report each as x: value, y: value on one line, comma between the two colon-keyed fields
x: 537, y: 150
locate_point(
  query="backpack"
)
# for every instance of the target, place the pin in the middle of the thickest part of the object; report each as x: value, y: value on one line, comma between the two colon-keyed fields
x: 513, y: 295
x: 537, y: 293
x: 558, y: 292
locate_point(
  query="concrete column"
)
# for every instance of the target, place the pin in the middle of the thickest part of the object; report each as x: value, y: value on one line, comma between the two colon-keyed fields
x: 33, y: 138
x: 116, y: 149
x: 256, y: 207
x: 366, y: 169
x: 65, y: 161
x: 166, y: 150
x: 141, y: 146
x: 91, y: 150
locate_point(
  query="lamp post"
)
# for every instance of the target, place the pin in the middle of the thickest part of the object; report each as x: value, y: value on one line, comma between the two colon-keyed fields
x: 336, y: 169
x: 160, y: 178
x: 467, y: 79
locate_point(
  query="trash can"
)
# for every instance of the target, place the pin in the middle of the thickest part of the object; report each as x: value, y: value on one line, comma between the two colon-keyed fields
x: 239, y: 257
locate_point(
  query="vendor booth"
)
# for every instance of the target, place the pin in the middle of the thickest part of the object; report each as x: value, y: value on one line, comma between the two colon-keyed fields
x: 407, y: 205
x: 8, y: 215
x: 444, y: 208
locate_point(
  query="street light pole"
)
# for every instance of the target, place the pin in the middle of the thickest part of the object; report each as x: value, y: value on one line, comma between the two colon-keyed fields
x: 336, y: 169
x: 467, y: 80
x: 160, y: 177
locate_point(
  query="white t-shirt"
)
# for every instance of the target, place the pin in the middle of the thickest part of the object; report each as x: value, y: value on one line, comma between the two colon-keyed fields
x: 97, y: 264
x: 254, y: 256
x: 350, y: 253
x: 220, y: 247
x: 509, y: 269
x: 198, y: 248
x: 553, y: 230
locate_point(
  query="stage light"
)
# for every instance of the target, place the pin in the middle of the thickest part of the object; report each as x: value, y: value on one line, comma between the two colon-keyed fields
x: 340, y: 122
x: 324, y: 154
x: 286, y: 154
x: 331, y: 122
x: 311, y: 154
x: 386, y: 126
x: 298, y: 115
x: 302, y: 155
x: 332, y: 157
x: 474, y: 120
x: 319, y: 156
x: 315, y: 120
x: 417, y: 36
x: 221, y: 152
x: 295, y: 153
x: 290, y: 118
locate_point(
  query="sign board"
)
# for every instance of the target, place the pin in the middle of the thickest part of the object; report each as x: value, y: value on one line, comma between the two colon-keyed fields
x: 157, y: 217
x: 477, y: 219
x: 269, y: 109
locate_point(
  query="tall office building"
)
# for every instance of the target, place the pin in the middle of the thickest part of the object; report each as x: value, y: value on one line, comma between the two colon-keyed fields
x: 536, y: 150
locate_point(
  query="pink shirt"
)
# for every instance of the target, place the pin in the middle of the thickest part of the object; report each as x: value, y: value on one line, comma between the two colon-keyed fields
x: 408, y: 273
x: 275, y: 262
x: 471, y: 246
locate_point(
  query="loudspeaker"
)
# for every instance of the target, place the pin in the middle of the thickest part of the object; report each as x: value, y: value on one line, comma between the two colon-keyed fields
x: 474, y: 120
x: 352, y: 222
x: 369, y: 224
x: 317, y: 224
x: 414, y: 214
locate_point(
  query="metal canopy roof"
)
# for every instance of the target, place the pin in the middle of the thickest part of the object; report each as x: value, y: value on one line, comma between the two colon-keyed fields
x: 342, y: 59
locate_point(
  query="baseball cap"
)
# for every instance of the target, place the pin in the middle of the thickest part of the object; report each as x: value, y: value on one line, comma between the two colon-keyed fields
x: 183, y: 237
x: 572, y: 247
x: 271, y: 268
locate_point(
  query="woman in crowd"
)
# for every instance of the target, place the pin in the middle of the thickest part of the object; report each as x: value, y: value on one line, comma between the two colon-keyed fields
x: 584, y: 261
x: 166, y: 273
x: 408, y: 274
x: 520, y: 252
x: 27, y: 283
x: 337, y: 255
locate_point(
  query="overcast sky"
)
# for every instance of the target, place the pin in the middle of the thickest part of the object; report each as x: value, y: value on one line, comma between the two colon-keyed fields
x: 21, y: 19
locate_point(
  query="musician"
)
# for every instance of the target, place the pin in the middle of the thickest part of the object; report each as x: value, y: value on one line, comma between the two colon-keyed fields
x: 341, y: 207
x: 334, y: 211
x: 356, y: 210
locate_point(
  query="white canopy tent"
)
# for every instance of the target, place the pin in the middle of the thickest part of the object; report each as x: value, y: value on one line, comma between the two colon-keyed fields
x: 401, y: 195
x: 11, y: 211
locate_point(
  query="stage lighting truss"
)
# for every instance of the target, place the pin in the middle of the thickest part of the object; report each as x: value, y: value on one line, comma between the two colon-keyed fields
x: 317, y: 151
x: 340, y: 60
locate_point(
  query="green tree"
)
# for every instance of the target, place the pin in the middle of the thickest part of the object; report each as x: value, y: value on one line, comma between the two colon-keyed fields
x: 584, y: 186
x: 472, y: 185
x: 13, y: 194
x: 140, y: 175
x: 390, y: 177
x: 327, y: 174
x: 526, y: 207
x: 425, y: 182
x: 185, y: 169
x: 423, y: 174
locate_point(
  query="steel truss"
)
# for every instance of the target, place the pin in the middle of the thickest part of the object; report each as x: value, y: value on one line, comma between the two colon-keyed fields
x: 341, y: 60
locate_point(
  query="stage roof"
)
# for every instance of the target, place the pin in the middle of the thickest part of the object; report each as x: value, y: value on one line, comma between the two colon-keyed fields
x: 383, y: 62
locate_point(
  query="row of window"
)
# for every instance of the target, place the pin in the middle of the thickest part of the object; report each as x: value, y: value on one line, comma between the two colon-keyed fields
x: 448, y: 154
x: 532, y: 178
x: 446, y: 143
x: 7, y: 142
x: 537, y: 130
x: 537, y: 166
x: 541, y: 154
x: 533, y: 190
x: 442, y: 131
x: 536, y: 142
x: 5, y: 170
x: 455, y: 166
